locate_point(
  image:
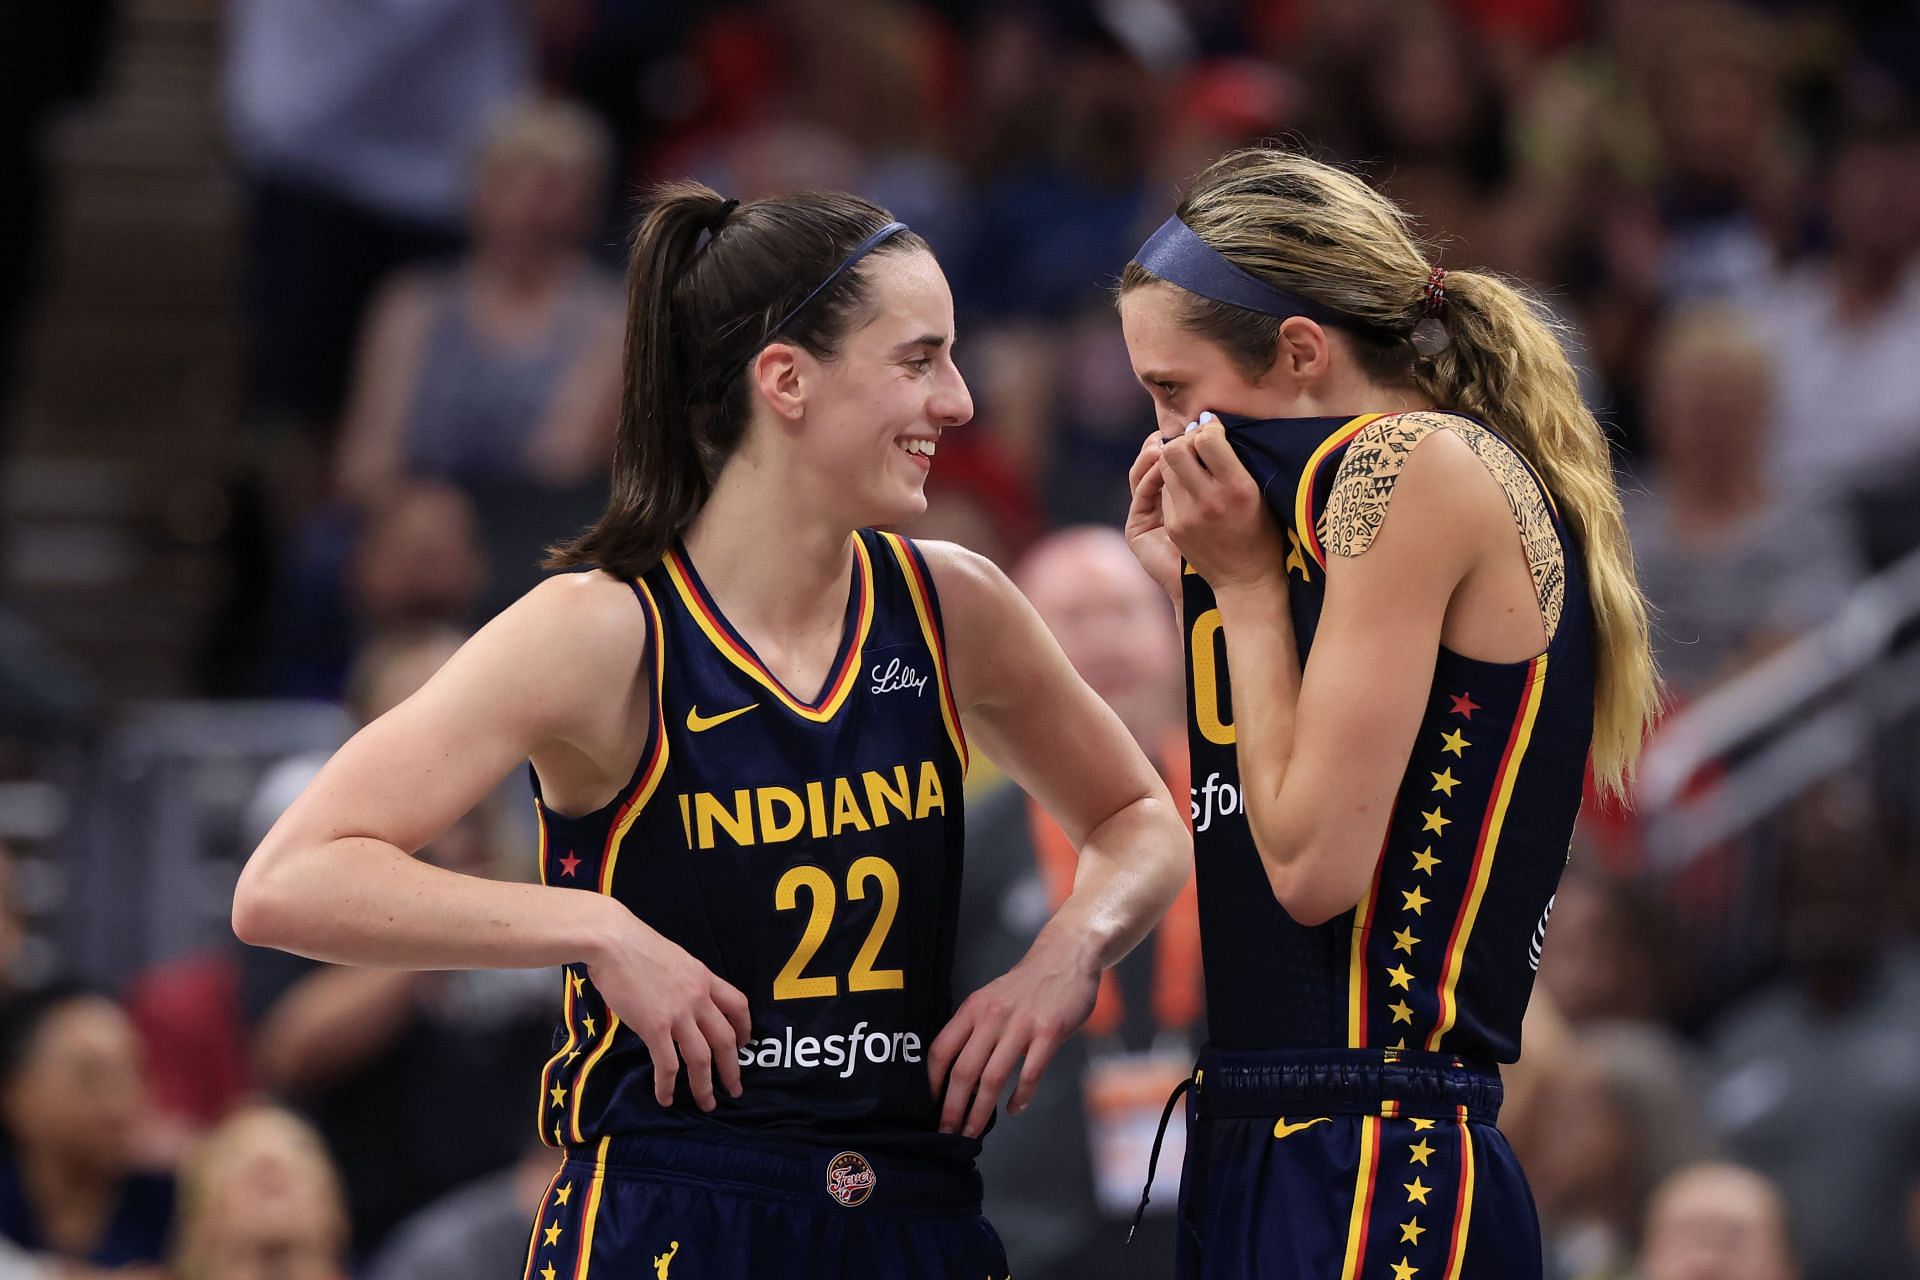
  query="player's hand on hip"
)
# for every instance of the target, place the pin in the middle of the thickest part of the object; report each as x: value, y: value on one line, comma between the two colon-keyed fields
x: 1027, y: 1013
x: 680, y: 1009
x: 1214, y: 514
x: 1146, y: 530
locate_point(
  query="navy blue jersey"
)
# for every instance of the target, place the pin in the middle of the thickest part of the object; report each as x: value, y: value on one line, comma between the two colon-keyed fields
x: 808, y: 851
x: 1440, y: 954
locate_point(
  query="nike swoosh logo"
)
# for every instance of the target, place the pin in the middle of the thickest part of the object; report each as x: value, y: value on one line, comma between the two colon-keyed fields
x: 697, y: 723
x: 1284, y: 1130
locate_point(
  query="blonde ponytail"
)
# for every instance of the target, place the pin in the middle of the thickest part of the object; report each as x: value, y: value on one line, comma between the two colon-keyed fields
x: 1504, y: 362
x: 1322, y: 233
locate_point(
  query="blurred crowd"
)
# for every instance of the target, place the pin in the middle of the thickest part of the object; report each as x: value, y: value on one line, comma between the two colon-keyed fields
x: 1720, y: 202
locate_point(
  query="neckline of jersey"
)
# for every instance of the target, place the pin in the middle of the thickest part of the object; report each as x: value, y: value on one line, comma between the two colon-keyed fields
x: 733, y: 646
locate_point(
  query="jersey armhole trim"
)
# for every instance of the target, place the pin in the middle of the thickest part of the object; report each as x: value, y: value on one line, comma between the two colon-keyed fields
x: 646, y: 780
x: 926, y: 606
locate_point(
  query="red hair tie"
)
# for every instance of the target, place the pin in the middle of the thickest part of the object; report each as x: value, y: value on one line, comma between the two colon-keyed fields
x: 1436, y: 293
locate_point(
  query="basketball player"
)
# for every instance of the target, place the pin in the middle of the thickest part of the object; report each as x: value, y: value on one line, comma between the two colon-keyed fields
x: 1410, y: 613
x: 749, y: 720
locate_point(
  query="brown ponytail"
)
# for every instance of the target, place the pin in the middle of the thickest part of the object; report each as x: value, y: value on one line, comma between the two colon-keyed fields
x: 706, y: 284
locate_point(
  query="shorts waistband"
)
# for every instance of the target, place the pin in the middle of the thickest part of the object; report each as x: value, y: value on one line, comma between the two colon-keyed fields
x: 1365, y: 1082
x: 847, y: 1176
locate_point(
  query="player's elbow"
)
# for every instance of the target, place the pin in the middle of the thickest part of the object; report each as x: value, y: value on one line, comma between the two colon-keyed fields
x: 1306, y: 903
x: 265, y: 910
x: 1308, y: 888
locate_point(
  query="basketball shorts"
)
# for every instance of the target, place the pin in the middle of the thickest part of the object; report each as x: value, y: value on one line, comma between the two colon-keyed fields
x: 1350, y: 1165
x: 677, y: 1207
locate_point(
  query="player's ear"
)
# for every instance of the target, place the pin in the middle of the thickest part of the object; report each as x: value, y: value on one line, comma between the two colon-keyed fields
x: 1301, y: 349
x: 776, y: 375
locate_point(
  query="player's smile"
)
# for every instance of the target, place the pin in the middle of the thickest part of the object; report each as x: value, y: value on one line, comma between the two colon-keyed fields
x: 920, y: 449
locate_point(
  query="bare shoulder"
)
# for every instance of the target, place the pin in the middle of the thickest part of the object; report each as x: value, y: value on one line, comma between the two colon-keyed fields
x: 991, y: 630
x: 593, y: 606
x: 583, y: 631
x: 963, y: 577
x: 1426, y: 460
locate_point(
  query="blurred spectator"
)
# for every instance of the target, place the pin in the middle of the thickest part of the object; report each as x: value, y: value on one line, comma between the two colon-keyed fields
x: 504, y: 366
x: 1717, y: 1222
x: 1606, y: 956
x: 1620, y: 1113
x: 478, y: 1232
x: 417, y: 563
x: 1062, y: 1176
x: 187, y: 1012
x: 1713, y: 522
x: 856, y: 94
x: 190, y: 1010
x: 419, y: 1081
x: 261, y: 1201
x: 1055, y: 219
x: 977, y: 499
x: 1818, y: 1076
x: 74, y: 1108
x: 416, y: 560
x: 1845, y: 325
x: 353, y: 129
x: 13, y: 936
x: 1725, y: 196
x: 501, y: 372
x: 1434, y: 120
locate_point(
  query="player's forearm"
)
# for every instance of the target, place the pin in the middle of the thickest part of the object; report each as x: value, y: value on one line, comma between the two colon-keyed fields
x: 1265, y: 666
x: 1130, y: 869
x: 363, y: 901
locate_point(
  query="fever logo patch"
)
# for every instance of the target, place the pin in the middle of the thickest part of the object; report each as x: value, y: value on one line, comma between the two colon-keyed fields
x: 850, y: 1178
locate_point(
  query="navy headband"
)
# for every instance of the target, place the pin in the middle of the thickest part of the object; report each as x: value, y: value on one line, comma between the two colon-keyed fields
x: 860, y: 251
x: 1176, y: 253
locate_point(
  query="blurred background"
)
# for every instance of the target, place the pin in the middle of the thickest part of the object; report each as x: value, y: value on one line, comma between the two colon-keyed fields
x: 310, y: 320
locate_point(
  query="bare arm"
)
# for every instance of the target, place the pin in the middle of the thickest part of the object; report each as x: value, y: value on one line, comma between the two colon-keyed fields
x: 1026, y: 707
x: 334, y: 879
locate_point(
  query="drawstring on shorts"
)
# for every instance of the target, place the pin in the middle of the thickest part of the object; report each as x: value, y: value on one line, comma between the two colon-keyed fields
x: 1153, y: 1157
